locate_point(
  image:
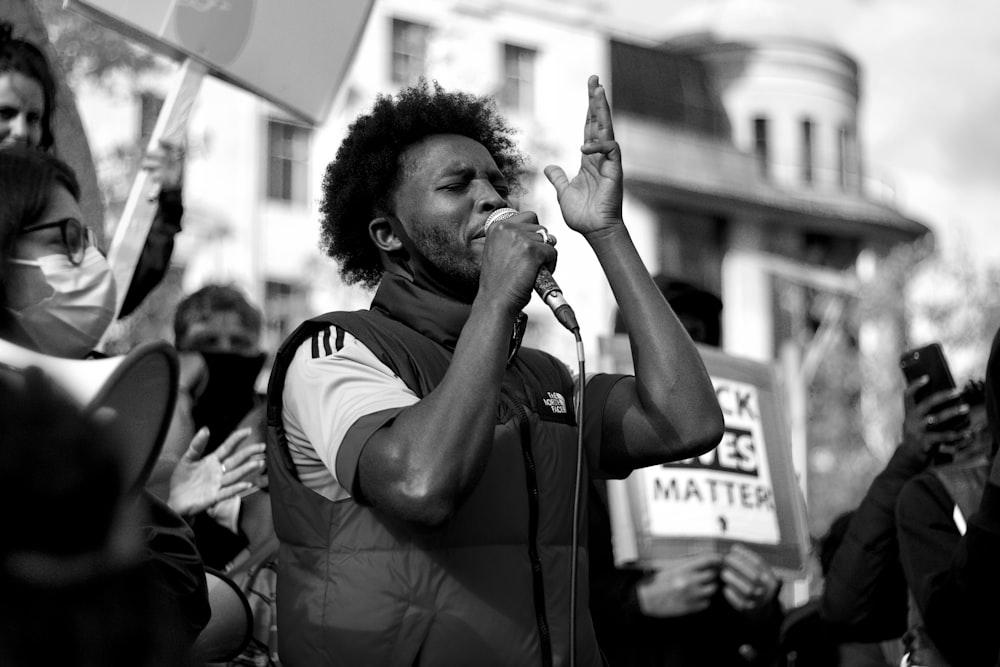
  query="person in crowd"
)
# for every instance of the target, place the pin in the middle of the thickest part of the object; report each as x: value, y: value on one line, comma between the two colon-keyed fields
x: 218, y: 325
x: 57, y: 299
x: 27, y: 104
x: 217, y: 332
x: 808, y: 640
x: 707, y: 609
x: 76, y: 588
x: 865, y: 594
x: 948, y: 526
x: 58, y: 287
x: 421, y: 462
x: 862, y: 612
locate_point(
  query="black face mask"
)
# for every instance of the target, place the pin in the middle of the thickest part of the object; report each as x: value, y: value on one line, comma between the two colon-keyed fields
x: 229, y: 394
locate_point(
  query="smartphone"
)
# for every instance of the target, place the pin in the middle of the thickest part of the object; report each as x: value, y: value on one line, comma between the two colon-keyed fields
x: 929, y: 360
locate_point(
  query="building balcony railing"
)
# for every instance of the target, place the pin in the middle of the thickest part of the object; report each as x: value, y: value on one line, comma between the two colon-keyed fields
x: 678, y: 160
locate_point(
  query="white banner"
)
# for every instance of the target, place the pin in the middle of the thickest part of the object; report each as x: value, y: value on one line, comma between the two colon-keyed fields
x: 294, y: 53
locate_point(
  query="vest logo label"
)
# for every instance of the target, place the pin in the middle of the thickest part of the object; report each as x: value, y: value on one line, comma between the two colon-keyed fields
x: 555, y: 402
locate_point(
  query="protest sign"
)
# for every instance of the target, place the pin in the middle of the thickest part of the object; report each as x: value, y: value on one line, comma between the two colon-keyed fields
x: 744, y: 490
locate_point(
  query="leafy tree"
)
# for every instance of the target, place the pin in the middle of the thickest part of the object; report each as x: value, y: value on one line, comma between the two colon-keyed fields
x: 86, y: 49
x: 920, y: 296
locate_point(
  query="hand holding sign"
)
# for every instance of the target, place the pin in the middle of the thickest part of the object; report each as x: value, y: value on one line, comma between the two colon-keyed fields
x: 749, y: 584
x: 165, y: 164
x: 680, y: 587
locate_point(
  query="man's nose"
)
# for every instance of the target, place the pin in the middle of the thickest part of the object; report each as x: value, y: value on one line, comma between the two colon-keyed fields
x: 489, y: 198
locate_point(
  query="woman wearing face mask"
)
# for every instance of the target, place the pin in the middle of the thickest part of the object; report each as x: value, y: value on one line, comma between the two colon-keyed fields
x: 57, y: 297
x: 58, y: 288
x: 27, y: 102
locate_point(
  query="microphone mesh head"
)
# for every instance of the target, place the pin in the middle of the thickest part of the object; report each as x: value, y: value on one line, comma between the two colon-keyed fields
x: 497, y: 216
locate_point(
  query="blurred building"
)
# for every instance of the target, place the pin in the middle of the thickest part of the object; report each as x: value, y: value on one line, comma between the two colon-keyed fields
x: 742, y: 154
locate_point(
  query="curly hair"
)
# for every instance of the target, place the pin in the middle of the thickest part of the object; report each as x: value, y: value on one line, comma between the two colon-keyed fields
x: 358, y: 183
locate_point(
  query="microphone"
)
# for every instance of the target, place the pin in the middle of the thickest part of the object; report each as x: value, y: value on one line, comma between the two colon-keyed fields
x: 545, y: 284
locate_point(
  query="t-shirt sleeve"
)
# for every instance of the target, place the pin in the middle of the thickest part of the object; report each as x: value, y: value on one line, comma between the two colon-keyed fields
x: 337, y: 393
x: 608, y: 459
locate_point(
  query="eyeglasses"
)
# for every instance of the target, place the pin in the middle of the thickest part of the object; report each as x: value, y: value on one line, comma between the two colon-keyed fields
x: 76, y: 237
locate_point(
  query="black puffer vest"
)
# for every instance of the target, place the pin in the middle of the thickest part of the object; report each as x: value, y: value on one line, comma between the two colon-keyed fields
x: 492, y: 586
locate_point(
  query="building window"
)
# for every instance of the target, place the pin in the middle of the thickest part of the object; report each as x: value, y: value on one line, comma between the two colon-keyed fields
x: 843, y: 151
x: 807, y: 151
x: 518, y: 92
x: 287, y: 161
x: 760, y: 147
x: 285, y: 306
x: 409, y: 51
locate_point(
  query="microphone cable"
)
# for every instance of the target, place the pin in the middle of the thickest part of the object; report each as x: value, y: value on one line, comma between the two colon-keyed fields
x: 577, y: 484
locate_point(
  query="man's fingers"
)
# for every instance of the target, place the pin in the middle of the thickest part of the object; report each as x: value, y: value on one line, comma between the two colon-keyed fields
x: 197, y: 446
x: 735, y: 600
x: 590, y: 124
x: 232, y: 490
x: 607, y: 147
x: 738, y: 581
x: 915, y: 386
x: 943, y: 416
x: 605, y: 128
x: 251, y: 455
x: 235, y: 438
x: 933, y: 402
x: 743, y: 560
x: 557, y: 177
x: 242, y: 472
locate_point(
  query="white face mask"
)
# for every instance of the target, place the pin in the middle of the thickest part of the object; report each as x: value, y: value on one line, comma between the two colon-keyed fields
x: 70, y: 321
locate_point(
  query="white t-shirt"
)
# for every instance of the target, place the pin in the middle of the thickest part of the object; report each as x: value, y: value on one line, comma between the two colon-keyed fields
x: 332, y: 382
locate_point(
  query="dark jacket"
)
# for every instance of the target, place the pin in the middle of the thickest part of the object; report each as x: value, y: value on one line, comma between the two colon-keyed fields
x: 954, y: 578
x: 491, y: 586
x: 864, y: 597
x: 154, y: 261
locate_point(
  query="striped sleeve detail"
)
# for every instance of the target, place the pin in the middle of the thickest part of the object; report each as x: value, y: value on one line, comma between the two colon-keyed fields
x: 321, y: 340
x: 326, y: 342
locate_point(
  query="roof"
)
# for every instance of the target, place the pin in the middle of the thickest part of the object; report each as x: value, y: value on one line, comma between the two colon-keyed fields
x: 749, y: 20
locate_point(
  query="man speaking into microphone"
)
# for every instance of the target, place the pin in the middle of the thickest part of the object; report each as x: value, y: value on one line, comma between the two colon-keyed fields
x: 421, y: 462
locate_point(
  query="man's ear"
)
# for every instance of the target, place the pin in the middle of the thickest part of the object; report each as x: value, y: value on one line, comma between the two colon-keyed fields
x: 380, y: 231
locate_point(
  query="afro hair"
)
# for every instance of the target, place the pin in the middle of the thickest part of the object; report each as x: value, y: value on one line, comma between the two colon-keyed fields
x: 358, y: 183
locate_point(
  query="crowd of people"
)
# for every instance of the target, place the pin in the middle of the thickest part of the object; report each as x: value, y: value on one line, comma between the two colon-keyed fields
x: 431, y: 491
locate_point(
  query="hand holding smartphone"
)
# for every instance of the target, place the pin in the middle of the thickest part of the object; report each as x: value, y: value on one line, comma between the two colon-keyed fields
x: 947, y: 414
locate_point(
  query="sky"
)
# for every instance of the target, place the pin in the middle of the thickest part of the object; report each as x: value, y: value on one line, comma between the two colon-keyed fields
x: 930, y: 105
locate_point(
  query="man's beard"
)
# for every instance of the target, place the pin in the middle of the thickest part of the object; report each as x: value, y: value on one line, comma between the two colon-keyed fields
x: 445, y: 262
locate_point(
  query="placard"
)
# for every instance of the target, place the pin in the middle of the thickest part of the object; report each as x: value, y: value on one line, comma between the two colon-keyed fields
x: 294, y: 53
x: 744, y: 490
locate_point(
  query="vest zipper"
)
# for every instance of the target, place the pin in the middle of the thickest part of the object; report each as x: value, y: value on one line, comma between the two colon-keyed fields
x: 536, y: 562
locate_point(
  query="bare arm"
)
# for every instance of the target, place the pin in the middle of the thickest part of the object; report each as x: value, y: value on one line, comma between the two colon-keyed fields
x: 669, y: 411
x: 419, y: 467
x: 424, y: 463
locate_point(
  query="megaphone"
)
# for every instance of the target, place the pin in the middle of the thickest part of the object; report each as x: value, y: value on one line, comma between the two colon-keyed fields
x: 137, y: 391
